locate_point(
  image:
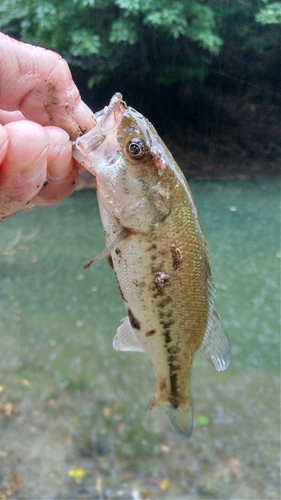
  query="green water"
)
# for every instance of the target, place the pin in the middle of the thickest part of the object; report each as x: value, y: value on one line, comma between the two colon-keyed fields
x: 80, y: 404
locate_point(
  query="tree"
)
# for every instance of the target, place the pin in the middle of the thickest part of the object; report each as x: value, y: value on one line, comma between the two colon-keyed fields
x: 178, y: 62
x: 270, y: 13
x: 155, y: 44
x: 155, y: 36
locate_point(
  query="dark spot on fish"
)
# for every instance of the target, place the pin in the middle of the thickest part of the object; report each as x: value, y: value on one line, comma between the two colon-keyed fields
x: 173, y: 375
x: 73, y: 183
x: 174, y: 391
x: 119, y: 254
x: 110, y: 261
x: 163, y: 384
x: 173, y: 350
x: 138, y: 283
x: 152, y: 247
x: 120, y: 290
x: 167, y: 323
x: 164, y: 301
x: 174, y: 366
x: 176, y: 256
x: 160, y: 280
x: 150, y: 333
x: 167, y: 336
x: 46, y: 182
x: 133, y: 321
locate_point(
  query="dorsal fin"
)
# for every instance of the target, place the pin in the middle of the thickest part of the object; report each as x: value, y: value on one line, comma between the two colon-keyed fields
x: 215, y: 344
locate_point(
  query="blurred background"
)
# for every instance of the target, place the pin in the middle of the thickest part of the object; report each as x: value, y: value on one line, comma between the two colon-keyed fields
x: 73, y: 420
x: 206, y: 73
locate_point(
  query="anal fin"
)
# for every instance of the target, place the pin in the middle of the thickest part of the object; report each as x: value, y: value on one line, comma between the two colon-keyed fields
x: 125, y: 338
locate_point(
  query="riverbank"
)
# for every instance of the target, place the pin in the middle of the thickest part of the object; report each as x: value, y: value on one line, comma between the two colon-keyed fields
x: 242, y: 140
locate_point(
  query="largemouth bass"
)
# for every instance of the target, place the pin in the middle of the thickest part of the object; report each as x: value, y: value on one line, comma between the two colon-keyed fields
x: 158, y: 252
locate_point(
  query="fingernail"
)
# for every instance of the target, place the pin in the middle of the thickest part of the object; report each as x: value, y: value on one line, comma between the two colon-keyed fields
x: 60, y: 164
x: 3, y: 149
x: 35, y: 168
x: 84, y: 117
x: 4, y: 141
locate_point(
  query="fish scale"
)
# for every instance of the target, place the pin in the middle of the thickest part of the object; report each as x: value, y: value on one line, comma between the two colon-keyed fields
x: 158, y: 253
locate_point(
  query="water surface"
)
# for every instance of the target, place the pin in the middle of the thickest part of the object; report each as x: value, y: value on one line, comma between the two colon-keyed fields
x: 75, y: 403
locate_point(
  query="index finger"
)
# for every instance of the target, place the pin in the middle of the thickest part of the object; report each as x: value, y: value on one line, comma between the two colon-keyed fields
x: 38, y: 83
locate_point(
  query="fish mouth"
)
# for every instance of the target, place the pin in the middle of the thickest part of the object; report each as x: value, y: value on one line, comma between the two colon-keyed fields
x: 108, y: 120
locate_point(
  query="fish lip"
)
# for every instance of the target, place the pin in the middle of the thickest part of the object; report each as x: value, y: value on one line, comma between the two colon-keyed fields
x: 109, y: 121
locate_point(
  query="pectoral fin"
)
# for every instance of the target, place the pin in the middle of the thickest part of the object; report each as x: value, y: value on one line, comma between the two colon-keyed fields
x: 125, y: 339
x: 215, y: 345
x: 145, y: 212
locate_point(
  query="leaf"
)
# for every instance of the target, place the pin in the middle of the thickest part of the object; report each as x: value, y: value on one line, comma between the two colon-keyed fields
x: 123, y: 30
x: 164, y: 484
x: 203, y: 420
x: 77, y: 475
x: 271, y: 14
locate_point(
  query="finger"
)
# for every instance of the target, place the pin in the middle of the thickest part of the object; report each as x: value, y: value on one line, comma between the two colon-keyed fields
x: 23, y: 167
x: 10, y: 116
x: 55, y: 191
x: 59, y: 154
x: 62, y: 173
x: 4, y: 142
x: 38, y: 83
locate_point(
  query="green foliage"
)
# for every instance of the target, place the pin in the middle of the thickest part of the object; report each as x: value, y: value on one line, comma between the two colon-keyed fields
x: 102, y: 35
x: 161, y: 41
x: 203, y: 420
x: 270, y: 14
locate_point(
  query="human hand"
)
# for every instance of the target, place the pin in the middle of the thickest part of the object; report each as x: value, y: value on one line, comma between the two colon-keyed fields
x: 41, y: 111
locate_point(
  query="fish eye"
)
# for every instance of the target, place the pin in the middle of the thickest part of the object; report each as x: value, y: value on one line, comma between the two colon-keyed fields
x: 136, y: 149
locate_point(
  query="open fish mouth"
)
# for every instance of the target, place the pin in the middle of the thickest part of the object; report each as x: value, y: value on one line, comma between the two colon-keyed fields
x: 108, y: 121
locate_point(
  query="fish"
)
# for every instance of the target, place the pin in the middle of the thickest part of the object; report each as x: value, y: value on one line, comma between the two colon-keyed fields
x: 155, y: 245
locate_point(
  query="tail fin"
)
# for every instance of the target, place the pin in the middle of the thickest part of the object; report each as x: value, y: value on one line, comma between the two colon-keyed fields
x: 181, y: 419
